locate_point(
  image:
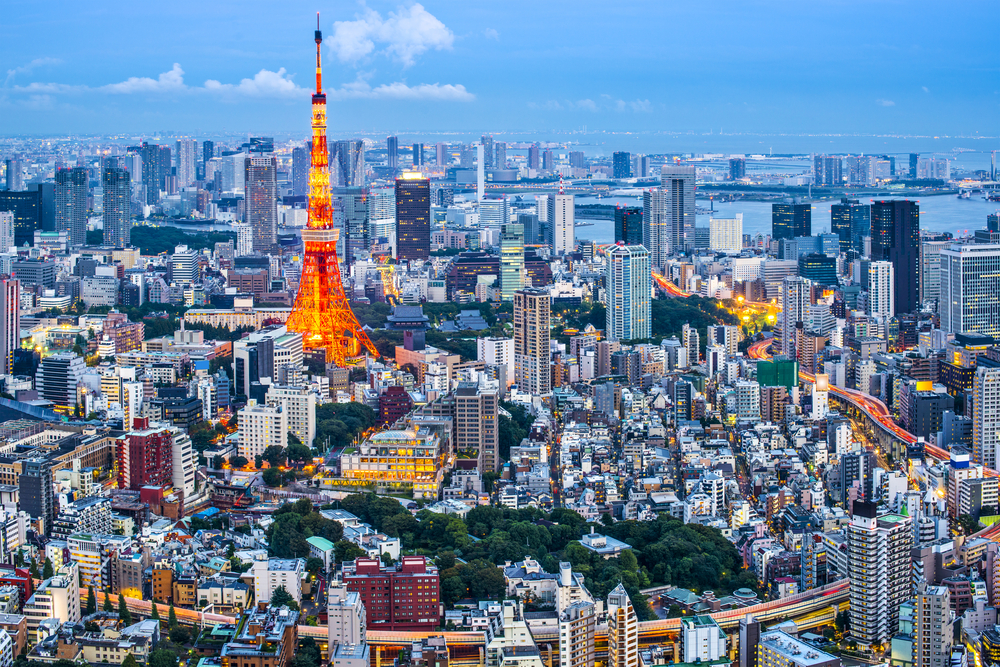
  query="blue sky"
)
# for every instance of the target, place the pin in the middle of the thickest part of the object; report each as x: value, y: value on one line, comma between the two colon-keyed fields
x: 760, y: 67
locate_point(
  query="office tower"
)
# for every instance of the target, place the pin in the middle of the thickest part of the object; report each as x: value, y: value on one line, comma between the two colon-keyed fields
x: 487, y: 143
x: 262, y: 201
x: 260, y: 427
x: 726, y: 234
x: 6, y: 231
x: 533, y: 233
x: 851, y: 222
x: 914, y: 159
x: 347, y: 163
x: 621, y: 165
x: 145, y: 459
x: 896, y: 239
x: 354, y: 204
x: 117, y: 186
x: 790, y: 220
x: 577, y: 624
x: 795, y: 300
x: 826, y: 170
x: 15, y: 178
x: 969, y: 300
x: 494, y: 212
x: 10, y: 319
x: 413, y: 217
x: 58, y: 375
x: 441, y: 154
x: 392, y: 154
x: 47, y: 200
x: 244, y: 239
x: 628, y: 225
x: 562, y: 223
x: 878, y: 561
x: 184, y: 266
x: 677, y: 183
x: 71, y: 204
x: 36, y: 493
x: 629, y: 283
x: 165, y: 171
x: 499, y: 155
x: 511, y: 260
x: 577, y: 160
x: 207, y: 150
x: 737, y: 168
x: 881, y: 301
x: 150, y: 154
x: 185, y: 162
x: 986, y: 416
x: 930, y: 269
x: 532, y: 313
x: 623, y: 630
x: 548, y: 160
x: 534, y: 157
x: 300, y: 170
x: 299, y: 404
x: 418, y: 155
x: 655, y: 230
x: 476, y: 405
x: 749, y: 641
x: 993, y: 222
x: 692, y: 343
x: 27, y: 209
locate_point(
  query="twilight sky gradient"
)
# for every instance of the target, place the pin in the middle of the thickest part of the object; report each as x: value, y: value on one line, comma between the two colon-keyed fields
x: 775, y: 66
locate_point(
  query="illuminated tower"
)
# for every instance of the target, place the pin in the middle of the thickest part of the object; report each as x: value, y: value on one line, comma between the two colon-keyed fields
x: 322, y: 314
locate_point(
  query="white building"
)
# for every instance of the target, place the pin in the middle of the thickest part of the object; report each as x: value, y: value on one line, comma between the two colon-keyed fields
x: 726, y: 235
x: 629, y: 285
x: 347, y: 618
x: 702, y: 640
x: 986, y: 416
x: 57, y: 597
x: 244, y: 239
x: 970, y: 301
x: 881, y: 296
x: 577, y: 624
x: 795, y: 299
x: 261, y: 426
x: 497, y: 352
x: 562, y: 223
x: 747, y: 401
x: 183, y: 460
x: 269, y: 574
x: 6, y: 231
x: 623, y: 630
x: 300, y: 409
x: 184, y: 266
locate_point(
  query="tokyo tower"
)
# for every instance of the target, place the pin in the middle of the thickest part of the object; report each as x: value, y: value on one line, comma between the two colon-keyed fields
x: 321, y: 313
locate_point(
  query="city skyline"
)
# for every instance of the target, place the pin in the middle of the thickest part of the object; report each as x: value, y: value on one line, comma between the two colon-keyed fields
x: 443, y: 66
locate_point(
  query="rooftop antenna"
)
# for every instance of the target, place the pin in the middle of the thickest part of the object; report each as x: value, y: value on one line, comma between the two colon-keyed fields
x: 562, y: 189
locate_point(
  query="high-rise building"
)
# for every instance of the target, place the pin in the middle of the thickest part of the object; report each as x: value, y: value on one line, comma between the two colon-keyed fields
x: 881, y: 300
x: 655, y: 232
x: 914, y: 159
x: 494, y: 212
x: 795, y: 299
x: 262, y: 201
x: 354, y: 205
x: 58, y: 375
x: 511, y: 260
x: 749, y: 641
x: 827, y: 170
x: 478, y: 430
x: 534, y: 157
x: 151, y: 172
x: 6, y: 231
x: 36, y: 493
x: 851, y: 222
x: 27, y: 209
x: 10, y: 322
x: 207, y: 151
x: 244, y: 239
x: 896, y: 239
x: 628, y: 284
x: 418, y: 155
x: 392, y: 154
x: 300, y: 170
x: 623, y: 630
x: 562, y: 223
x: 487, y: 142
x: 621, y: 165
x: 969, y: 300
x: 413, y: 217
x: 790, y: 220
x: 986, y: 416
x: 577, y: 626
x: 933, y: 627
x: 15, y: 177
x: 628, y: 225
x: 726, y: 234
x: 441, y: 154
x: 299, y: 405
x: 260, y: 427
x: 878, y: 561
x: 678, y: 184
x: 186, y: 174
x: 184, y: 266
x: 532, y: 313
x: 737, y: 168
x: 71, y: 204
x: 405, y: 596
x: 548, y: 160
x: 702, y: 640
x: 117, y: 203
x: 145, y: 458
x: 347, y: 163
x: 499, y: 155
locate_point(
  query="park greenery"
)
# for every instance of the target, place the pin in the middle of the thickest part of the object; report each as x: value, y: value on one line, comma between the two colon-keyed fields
x: 154, y: 240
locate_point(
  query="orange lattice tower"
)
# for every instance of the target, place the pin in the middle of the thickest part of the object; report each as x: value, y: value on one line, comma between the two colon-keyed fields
x: 322, y: 314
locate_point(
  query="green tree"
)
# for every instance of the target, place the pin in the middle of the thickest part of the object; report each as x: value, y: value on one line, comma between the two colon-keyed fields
x: 162, y: 658
x: 298, y: 452
x: 282, y: 598
x: 123, y: 612
x: 154, y: 615
x: 273, y: 477
x: 107, y: 606
x: 275, y: 456
x: 344, y: 550
x: 314, y: 565
x: 33, y: 569
x: 180, y: 635
x: 91, y: 601
x: 130, y: 661
x: 238, y: 461
x: 216, y: 462
x: 171, y: 617
x: 47, y: 569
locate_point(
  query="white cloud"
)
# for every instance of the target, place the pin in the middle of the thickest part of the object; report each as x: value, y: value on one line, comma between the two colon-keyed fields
x: 885, y: 103
x: 491, y: 33
x: 171, y: 81
x: 400, y: 91
x: 264, y: 84
x: 29, y: 68
x: 403, y: 35
x: 50, y: 88
x: 587, y: 104
x: 641, y: 106
x: 925, y: 89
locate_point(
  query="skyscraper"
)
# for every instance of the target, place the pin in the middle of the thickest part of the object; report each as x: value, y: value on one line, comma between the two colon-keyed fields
x: 878, y: 561
x: 262, y: 201
x: 628, y: 284
x: 477, y: 402
x: 548, y: 160
x: 117, y: 185
x: 795, y: 299
x: 726, y: 234
x: 969, y: 299
x: 914, y: 159
x: 827, y: 170
x: 150, y: 154
x: 6, y: 231
x: 441, y: 154
x: 10, y: 319
x: 15, y: 178
x: 347, y: 163
x: 392, y: 154
x: 881, y: 301
x: 655, y: 230
x: 986, y: 416
x: 487, y: 141
x: 418, y: 155
x: 896, y: 239
x: 354, y: 206
x: 532, y: 318
x: 413, y: 217
x: 678, y: 188
x: 534, y: 157
x: 933, y: 626
x: 207, y: 151
x: 623, y: 630
x: 499, y: 155
x: 577, y: 624
x: 749, y: 641
x: 511, y: 260
x: 185, y: 162
x: 300, y: 170
x: 26, y: 206
x: 851, y: 221
x: 621, y: 165
x: 790, y: 220
x: 628, y: 225
x: 737, y: 168
x: 562, y: 223
x: 494, y: 212
x: 71, y: 203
